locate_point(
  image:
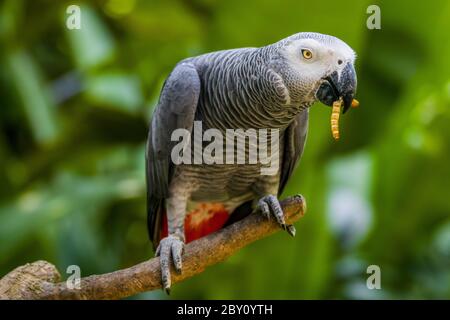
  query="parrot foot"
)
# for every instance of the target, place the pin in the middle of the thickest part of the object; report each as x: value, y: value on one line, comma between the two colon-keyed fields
x: 170, y: 249
x: 270, y: 206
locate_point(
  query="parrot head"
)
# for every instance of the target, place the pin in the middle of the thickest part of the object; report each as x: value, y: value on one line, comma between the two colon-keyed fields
x: 315, y: 67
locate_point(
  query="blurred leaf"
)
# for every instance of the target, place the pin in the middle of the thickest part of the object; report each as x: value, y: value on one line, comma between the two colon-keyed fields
x: 92, y: 45
x: 114, y: 89
x: 38, y: 107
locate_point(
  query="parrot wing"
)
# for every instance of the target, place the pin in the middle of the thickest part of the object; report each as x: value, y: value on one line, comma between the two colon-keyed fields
x: 175, y: 110
x: 294, y: 142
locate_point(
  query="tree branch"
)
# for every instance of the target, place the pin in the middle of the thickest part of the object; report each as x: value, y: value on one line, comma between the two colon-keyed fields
x: 39, y: 280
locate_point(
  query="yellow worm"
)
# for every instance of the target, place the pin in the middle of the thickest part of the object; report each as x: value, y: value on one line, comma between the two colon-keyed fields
x: 335, y: 118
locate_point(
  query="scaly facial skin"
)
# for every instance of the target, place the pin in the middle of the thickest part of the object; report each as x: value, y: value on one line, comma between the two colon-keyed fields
x: 320, y: 68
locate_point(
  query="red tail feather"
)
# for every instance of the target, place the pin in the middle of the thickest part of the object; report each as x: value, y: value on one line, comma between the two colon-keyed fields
x: 204, y: 219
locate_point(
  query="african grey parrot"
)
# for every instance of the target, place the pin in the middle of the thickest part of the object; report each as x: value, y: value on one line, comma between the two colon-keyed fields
x: 271, y: 87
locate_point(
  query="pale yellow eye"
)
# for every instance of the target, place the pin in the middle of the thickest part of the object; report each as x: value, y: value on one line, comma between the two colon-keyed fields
x: 306, y: 54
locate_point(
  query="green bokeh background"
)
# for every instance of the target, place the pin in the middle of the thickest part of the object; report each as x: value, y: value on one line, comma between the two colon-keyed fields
x: 75, y: 107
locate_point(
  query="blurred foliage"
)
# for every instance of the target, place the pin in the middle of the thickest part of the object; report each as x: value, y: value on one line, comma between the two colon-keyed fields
x: 75, y: 106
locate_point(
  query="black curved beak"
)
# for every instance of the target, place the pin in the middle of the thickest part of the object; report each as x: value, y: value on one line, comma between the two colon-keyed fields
x: 335, y: 86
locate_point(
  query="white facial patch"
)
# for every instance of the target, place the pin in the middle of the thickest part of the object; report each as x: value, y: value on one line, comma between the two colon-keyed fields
x: 326, y: 54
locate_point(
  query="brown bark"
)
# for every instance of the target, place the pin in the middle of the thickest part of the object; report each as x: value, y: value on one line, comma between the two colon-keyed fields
x: 39, y: 280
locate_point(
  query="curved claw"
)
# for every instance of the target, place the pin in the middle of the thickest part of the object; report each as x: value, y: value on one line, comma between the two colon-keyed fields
x: 170, y: 249
x: 270, y: 206
x: 291, y: 230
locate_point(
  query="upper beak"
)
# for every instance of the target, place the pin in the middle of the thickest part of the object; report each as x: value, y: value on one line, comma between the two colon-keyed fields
x: 336, y: 85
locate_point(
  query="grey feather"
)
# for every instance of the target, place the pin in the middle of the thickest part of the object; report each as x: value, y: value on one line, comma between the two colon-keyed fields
x: 176, y: 109
x: 294, y: 144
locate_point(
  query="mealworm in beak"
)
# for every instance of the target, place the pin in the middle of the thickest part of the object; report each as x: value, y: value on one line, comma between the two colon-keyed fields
x: 335, y: 113
x: 335, y: 118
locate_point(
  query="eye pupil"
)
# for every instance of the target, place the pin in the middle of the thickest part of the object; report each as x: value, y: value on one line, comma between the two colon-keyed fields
x: 306, y: 54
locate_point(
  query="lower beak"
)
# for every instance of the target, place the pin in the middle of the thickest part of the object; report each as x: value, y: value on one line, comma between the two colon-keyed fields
x: 337, y: 86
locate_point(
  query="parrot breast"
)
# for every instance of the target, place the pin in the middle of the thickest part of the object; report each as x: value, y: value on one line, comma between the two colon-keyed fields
x: 201, y: 219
